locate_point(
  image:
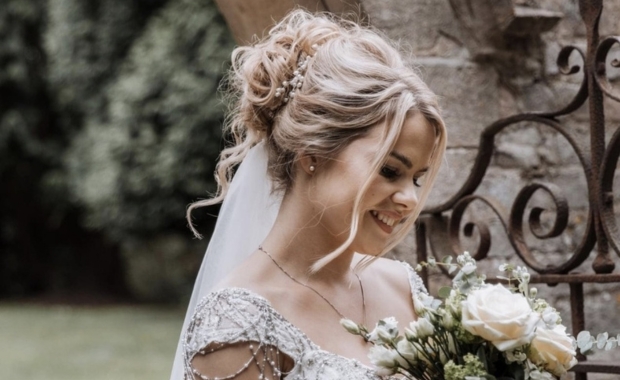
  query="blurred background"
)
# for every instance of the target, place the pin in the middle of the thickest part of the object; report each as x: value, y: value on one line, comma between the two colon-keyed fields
x: 109, y: 127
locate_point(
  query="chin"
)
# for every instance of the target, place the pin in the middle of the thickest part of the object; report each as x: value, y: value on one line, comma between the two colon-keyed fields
x: 370, y: 249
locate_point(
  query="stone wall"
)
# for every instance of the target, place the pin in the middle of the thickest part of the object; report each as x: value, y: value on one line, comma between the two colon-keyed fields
x: 482, y: 76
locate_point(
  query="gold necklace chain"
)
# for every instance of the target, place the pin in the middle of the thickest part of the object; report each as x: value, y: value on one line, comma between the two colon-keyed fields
x: 260, y: 248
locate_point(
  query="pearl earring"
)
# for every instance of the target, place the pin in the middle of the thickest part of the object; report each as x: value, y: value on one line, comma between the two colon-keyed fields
x: 312, y: 168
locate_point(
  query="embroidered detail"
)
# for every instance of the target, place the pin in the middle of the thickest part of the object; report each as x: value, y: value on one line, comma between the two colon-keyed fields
x: 236, y: 315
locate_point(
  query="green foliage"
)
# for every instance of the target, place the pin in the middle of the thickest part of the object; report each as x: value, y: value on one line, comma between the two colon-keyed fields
x: 151, y: 149
x: 109, y: 126
x: 472, y: 366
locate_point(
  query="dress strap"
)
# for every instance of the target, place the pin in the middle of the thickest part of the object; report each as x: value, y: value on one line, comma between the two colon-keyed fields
x: 415, y: 281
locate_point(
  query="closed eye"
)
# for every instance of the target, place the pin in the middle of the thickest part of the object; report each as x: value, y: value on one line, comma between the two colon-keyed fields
x: 389, y: 173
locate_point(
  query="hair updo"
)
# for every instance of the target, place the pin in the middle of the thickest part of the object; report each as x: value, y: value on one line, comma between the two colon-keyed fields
x: 354, y: 80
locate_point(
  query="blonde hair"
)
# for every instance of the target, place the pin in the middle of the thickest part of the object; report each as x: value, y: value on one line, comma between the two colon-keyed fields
x: 356, y: 80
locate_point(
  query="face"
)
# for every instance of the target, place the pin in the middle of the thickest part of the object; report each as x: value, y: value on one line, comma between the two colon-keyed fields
x: 393, y: 192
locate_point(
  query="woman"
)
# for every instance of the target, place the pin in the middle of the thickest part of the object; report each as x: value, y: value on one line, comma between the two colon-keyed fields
x: 340, y: 142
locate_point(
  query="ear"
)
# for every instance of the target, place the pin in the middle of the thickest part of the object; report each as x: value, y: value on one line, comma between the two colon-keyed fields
x: 308, y: 164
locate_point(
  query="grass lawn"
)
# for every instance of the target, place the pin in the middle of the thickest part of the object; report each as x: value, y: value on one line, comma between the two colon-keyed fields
x: 103, y: 342
x: 94, y: 343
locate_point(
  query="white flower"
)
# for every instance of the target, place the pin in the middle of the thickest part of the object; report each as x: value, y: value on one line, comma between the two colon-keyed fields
x: 422, y: 328
x: 350, y: 326
x: 499, y: 316
x: 385, y: 331
x: 515, y: 356
x: 541, y: 375
x: 384, y: 359
x: 469, y: 268
x: 447, y: 321
x: 553, y: 350
x: 423, y: 302
x: 551, y: 317
x: 407, y: 350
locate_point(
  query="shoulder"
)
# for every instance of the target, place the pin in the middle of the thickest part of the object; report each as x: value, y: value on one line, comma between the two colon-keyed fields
x: 236, y: 315
x: 232, y: 328
x: 399, y: 275
x: 222, y: 315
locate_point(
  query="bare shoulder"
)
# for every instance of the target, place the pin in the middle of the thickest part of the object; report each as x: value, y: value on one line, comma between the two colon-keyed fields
x: 259, y: 276
x: 392, y: 273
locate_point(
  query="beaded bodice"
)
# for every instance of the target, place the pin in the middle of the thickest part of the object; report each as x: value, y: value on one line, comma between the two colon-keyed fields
x: 235, y: 315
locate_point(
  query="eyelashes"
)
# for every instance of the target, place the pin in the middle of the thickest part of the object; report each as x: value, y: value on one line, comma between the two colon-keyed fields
x: 392, y: 174
x: 389, y: 173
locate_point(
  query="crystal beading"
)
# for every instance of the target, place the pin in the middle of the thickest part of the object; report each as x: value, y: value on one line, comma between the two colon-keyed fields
x: 232, y: 316
x: 289, y: 87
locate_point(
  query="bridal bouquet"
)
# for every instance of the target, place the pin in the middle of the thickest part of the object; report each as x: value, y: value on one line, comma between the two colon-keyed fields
x: 479, y: 332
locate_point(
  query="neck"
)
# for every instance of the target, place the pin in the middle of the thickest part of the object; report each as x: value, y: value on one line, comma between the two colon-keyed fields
x: 298, y: 240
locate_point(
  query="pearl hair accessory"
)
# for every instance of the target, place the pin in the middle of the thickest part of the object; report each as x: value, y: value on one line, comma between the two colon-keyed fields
x: 288, y: 88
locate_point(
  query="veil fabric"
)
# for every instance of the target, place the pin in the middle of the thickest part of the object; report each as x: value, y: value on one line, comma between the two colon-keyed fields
x: 247, y: 215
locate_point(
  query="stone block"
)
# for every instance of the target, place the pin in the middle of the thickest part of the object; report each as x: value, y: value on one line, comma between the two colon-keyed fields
x: 426, y: 26
x: 516, y: 147
x: 610, y: 23
x: 452, y: 175
x: 571, y: 179
x: 469, y: 97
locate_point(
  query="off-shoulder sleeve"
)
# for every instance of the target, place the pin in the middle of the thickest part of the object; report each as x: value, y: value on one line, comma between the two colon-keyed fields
x: 245, y: 329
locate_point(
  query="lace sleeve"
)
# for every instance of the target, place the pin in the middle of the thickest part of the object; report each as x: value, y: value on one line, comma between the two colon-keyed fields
x: 415, y: 281
x: 235, y: 334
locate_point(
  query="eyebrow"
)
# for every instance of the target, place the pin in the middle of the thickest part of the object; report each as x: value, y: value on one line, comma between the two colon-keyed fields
x: 403, y: 159
x: 406, y: 161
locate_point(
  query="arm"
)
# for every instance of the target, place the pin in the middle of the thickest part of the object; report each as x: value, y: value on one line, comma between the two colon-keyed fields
x: 240, y: 361
x: 234, y: 334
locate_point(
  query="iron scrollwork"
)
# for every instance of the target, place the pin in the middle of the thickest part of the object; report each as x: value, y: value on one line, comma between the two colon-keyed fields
x: 599, y: 167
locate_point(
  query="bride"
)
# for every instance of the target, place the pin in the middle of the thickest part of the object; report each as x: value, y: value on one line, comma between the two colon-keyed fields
x: 339, y: 143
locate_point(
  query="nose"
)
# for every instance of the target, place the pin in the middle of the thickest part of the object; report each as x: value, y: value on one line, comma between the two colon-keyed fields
x: 406, y: 196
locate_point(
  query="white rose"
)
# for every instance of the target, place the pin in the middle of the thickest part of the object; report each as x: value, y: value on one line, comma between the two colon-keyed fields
x: 553, y: 350
x: 500, y: 316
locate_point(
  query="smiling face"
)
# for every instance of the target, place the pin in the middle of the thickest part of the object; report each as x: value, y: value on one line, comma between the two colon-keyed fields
x: 392, y: 194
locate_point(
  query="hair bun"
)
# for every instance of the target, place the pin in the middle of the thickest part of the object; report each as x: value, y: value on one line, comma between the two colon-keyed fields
x: 259, y: 70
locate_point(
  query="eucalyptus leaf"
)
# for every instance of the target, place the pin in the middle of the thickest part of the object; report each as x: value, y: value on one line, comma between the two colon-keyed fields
x: 611, y: 344
x: 444, y: 292
x: 601, y: 340
x: 583, y: 337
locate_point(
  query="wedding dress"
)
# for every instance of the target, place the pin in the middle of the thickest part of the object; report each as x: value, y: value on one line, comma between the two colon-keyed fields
x: 225, y: 317
x: 235, y: 315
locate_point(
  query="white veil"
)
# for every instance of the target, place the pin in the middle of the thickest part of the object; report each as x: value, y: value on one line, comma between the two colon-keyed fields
x: 248, y: 213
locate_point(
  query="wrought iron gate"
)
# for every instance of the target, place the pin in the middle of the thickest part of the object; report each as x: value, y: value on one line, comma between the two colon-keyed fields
x: 444, y: 223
